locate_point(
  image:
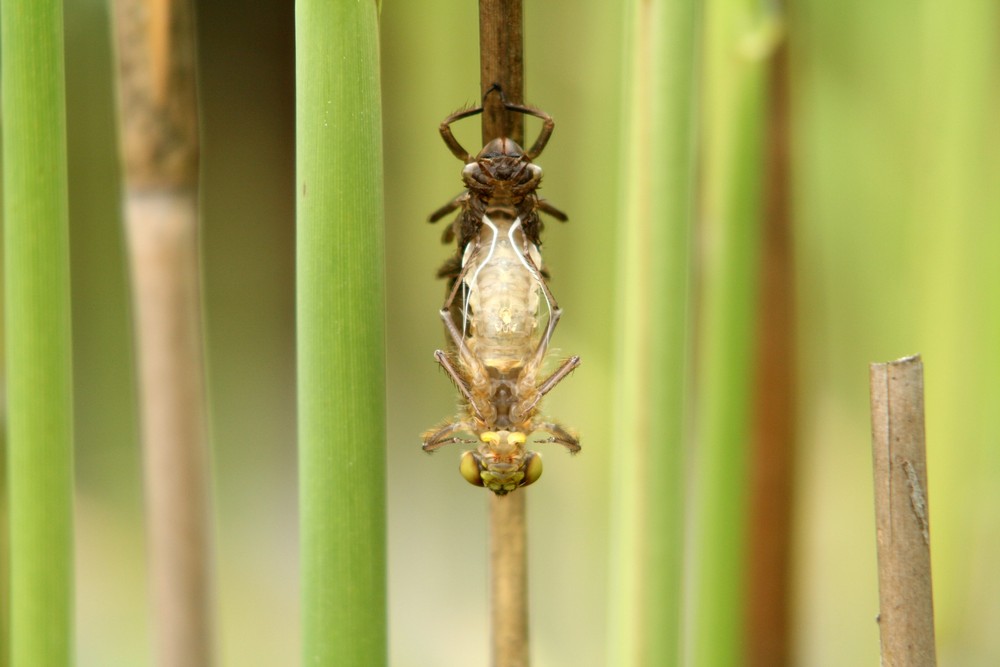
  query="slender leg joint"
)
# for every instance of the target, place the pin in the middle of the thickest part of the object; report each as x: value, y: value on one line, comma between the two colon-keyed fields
x: 561, y: 436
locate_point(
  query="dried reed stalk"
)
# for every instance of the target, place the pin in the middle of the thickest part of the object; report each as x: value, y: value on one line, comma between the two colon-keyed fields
x: 501, y: 45
x: 159, y: 135
x: 906, y: 616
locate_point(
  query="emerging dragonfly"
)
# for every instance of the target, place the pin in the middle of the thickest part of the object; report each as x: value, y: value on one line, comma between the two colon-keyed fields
x: 494, y: 329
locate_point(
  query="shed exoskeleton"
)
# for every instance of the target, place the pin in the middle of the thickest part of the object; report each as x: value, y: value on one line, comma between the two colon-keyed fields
x: 501, y: 175
x: 497, y: 348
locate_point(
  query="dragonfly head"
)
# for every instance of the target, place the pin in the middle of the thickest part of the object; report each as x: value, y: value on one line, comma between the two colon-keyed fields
x: 501, y: 463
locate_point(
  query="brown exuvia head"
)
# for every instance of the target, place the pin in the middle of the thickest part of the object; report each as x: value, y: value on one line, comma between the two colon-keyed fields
x: 503, y: 161
x: 502, y: 147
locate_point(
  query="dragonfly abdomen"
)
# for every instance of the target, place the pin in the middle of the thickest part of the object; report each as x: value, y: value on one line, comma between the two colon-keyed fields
x: 503, y: 296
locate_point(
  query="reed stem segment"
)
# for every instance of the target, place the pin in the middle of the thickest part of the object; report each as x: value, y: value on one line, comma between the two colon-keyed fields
x: 508, y: 580
x: 902, y: 515
x: 501, y: 61
x: 501, y: 45
x: 653, y: 331
x: 340, y: 284
x: 37, y: 334
x: 160, y: 148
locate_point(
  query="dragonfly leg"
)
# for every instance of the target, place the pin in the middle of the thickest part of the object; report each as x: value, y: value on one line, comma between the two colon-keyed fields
x: 457, y: 336
x: 545, y: 207
x: 449, y: 322
x: 559, y: 435
x: 442, y: 358
x: 555, y: 312
x: 565, y: 368
x: 445, y: 435
x: 454, y: 204
x: 477, y: 376
x: 547, y: 123
x: 449, y: 138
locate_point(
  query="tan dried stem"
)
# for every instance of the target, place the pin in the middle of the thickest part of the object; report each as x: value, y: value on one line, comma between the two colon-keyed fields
x: 159, y: 140
x: 906, y: 608
x: 501, y: 46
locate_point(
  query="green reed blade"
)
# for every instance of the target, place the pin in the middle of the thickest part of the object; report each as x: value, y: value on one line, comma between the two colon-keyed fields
x: 37, y: 318
x: 341, y: 304
x: 654, y: 325
x: 738, y: 40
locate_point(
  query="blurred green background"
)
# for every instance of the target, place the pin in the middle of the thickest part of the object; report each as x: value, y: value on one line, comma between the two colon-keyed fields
x: 896, y: 205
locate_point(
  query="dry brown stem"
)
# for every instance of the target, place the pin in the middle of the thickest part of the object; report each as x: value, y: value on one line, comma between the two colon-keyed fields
x: 772, y: 465
x: 906, y: 609
x: 501, y: 62
x: 157, y: 93
x: 159, y: 136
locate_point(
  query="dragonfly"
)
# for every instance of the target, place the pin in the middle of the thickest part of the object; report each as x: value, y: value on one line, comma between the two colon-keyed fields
x: 492, y: 311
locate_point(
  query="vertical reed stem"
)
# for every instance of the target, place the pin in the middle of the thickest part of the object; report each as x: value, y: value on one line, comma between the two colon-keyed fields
x: 509, y: 581
x: 772, y: 465
x: 740, y: 35
x: 501, y: 45
x: 902, y: 515
x: 38, y: 339
x: 652, y: 364
x: 159, y: 136
x: 4, y: 542
x: 501, y: 60
x: 340, y: 282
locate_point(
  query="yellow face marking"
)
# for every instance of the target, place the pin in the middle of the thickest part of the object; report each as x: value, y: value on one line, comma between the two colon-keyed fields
x: 490, y: 437
x: 516, y: 438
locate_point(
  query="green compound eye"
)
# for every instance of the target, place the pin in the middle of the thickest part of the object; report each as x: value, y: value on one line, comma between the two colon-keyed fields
x: 469, y: 467
x: 532, y: 469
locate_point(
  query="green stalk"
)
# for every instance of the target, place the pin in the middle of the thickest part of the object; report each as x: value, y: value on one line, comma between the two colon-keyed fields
x: 4, y: 540
x: 37, y: 316
x: 956, y: 150
x: 341, y: 309
x: 4, y: 521
x: 4, y: 550
x: 738, y: 38
x: 653, y: 324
